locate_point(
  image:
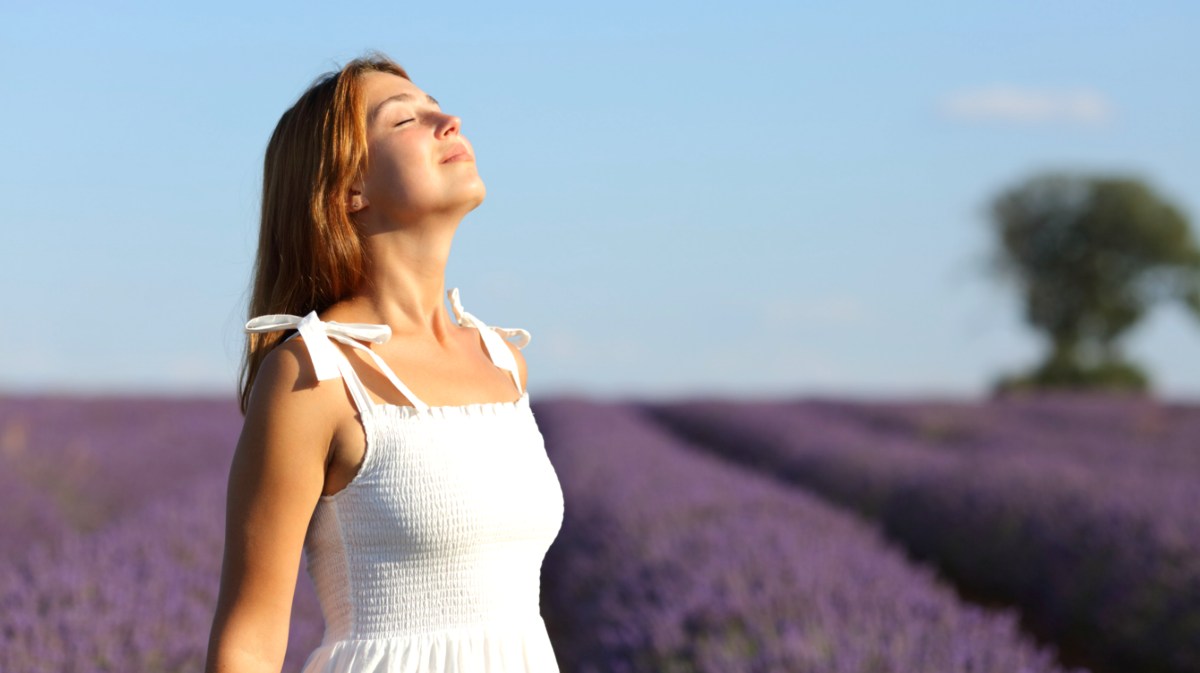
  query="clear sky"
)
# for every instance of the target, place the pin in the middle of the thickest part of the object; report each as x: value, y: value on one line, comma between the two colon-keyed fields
x: 751, y: 198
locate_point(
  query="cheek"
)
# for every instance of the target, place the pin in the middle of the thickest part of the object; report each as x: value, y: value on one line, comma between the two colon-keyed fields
x: 394, y: 172
x: 402, y: 181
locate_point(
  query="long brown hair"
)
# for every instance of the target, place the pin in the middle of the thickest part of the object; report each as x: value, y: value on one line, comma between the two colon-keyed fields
x: 310, y: 254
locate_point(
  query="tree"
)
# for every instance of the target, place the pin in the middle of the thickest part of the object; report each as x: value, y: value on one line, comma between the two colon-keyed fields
x: 1090, y: 255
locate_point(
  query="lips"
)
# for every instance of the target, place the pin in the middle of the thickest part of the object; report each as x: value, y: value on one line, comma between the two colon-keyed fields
x: 459, y: 153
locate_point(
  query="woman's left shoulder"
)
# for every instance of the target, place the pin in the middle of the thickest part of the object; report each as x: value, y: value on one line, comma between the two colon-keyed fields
x: 516, y: 351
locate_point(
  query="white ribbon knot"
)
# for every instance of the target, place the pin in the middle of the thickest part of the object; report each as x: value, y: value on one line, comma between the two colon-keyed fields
x: 317, y: 332
x: 464, y: 318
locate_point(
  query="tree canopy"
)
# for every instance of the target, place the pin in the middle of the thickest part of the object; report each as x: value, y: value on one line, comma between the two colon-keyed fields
x: 1090, y: 256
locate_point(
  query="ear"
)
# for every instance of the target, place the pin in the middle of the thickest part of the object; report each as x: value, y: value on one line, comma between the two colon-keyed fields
x: 357, y: 200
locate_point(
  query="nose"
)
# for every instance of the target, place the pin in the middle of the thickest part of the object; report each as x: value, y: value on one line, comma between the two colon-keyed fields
x: 450, y: 125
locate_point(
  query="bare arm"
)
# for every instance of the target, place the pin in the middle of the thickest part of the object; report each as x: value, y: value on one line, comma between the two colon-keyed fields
x: 275, y: 480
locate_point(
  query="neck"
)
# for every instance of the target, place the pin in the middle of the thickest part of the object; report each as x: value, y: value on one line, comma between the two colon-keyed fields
x: 405, y: 285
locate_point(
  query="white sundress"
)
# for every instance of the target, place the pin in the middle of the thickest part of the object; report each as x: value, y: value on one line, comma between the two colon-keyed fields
x: 429, y: 560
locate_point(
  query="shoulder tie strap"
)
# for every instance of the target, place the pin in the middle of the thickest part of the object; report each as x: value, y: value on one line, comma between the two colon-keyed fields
x: 326, y: 358
x: 493, y: 338
x: 523, y: 337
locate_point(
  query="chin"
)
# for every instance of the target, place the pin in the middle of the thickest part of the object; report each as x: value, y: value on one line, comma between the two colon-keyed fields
x: 476, y: 196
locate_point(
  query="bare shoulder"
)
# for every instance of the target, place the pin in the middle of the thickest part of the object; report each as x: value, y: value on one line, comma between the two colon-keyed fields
x: 520, y: 362
x: 289, y: 411
x: 287, y: 381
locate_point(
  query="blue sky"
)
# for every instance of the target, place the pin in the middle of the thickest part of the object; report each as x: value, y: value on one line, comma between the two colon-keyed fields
x: 747, y: 199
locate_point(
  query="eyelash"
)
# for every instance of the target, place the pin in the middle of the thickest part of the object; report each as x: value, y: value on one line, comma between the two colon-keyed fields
x: 405, y: 122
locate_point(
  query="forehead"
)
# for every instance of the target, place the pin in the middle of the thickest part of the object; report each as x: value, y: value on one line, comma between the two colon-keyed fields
x: 377, y: 86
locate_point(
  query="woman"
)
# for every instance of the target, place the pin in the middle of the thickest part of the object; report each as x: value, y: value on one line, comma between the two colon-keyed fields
x: 425, y: 502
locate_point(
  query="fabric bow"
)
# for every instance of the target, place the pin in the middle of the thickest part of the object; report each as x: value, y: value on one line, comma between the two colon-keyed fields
x: 464, y: 318
x: 317, y: 332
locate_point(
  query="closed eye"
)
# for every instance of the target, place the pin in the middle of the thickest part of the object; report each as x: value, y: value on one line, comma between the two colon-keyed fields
x: 404, y: 122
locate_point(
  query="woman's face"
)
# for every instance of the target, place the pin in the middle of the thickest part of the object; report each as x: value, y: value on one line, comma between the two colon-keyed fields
x: 409, y: 140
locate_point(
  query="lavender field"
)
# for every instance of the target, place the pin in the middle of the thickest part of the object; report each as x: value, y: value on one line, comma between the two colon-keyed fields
x: 670, y: 560
x: 818, y: 536
x: 111, y: 530
x: 1080, y: 510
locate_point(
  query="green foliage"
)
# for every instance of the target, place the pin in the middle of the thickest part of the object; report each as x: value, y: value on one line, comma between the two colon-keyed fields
x: 1119, y: 377
x: 1090, y: 256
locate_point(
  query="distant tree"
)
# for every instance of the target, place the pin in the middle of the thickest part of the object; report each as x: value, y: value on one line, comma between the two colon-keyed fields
x: 1090, y: 255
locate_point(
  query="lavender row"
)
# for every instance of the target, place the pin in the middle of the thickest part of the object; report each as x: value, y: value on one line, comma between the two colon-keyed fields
x: 1114, y: 432
x: 81, y: 462
x: 1104, y: 561
x: 670, y: 560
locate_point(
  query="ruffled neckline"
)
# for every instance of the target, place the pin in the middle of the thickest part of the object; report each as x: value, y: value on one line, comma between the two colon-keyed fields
x: 475, y: 409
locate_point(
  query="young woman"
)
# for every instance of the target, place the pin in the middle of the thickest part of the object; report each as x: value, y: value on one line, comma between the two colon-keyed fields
x: 393, y: 443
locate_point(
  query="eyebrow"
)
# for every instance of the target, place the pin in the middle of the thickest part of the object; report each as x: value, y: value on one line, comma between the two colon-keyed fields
x: 395, y: 99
